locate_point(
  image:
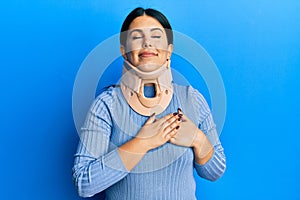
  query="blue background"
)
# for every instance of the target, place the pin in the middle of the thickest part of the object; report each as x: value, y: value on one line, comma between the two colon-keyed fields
x: 255, y: 44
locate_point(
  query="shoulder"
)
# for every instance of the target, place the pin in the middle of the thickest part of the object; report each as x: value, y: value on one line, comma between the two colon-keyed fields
x: 192, y: 101
x: 189, y: 92
x: 106, y: 98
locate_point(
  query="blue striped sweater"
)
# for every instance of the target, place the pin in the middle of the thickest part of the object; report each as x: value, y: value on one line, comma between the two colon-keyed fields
x: 164, y: 173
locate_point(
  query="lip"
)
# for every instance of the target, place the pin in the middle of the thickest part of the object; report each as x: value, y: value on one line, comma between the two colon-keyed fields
x: 147, y: 54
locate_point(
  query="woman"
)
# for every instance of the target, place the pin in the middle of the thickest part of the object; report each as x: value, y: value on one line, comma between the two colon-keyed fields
x: 133, y: 145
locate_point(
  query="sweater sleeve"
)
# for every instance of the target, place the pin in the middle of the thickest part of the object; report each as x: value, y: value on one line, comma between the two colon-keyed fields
x: 215, y: 167
x: 96, y: 167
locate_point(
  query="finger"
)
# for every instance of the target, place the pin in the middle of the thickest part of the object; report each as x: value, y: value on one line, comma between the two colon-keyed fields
x: 172, y: 123
x: 151, y: 119
x: 172, y: 140
x: 181, y: 115
x: 172, y: 133
x: 179, y: 111
x: 169, y: 116
x: 166, y: 118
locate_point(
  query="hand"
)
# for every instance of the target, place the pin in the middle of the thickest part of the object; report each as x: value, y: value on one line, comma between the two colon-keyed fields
x: 157, y: 132
x: 189, y: 135
x: 186, y: 133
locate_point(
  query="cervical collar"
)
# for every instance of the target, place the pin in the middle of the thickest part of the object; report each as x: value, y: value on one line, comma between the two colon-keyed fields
x: 132, y: 85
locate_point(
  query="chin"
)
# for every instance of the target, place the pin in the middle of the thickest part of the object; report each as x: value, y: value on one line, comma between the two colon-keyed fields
x: 148, y: 67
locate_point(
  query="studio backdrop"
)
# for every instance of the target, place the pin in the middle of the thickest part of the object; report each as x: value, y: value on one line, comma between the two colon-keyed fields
x: 243, y: 56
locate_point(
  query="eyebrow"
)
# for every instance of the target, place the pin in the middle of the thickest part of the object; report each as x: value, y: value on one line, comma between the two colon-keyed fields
x: 154, y: 29
x: 140, y: 30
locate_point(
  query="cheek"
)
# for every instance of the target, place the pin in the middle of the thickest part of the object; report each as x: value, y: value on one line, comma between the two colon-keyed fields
x: 160, y: 45
x: 133, y: 56
x: 136, y: 45
x: 132, y: 50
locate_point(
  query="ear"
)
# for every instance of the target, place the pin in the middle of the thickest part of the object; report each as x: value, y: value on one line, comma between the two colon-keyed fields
x: 123, y: 52
x: 170, y: 50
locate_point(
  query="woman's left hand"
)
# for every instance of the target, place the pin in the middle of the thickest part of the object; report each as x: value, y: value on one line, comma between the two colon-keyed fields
x: 189, y: 135
x: 186, y: 133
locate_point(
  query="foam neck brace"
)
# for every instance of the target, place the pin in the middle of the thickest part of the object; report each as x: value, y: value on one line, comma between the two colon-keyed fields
x: 132, y: 85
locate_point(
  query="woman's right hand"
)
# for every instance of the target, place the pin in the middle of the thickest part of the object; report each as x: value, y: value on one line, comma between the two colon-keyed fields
x: 157, y: 132
x: 154, y: 133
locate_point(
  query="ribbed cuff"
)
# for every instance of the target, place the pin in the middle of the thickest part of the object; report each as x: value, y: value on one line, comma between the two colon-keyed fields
x: 114, y: 161
x: 213, y: 169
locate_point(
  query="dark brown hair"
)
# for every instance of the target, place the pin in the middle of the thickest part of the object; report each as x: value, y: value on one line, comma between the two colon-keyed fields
x: 137, y: 12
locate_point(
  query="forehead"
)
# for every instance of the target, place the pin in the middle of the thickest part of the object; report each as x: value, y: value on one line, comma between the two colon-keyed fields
x: 144, y: 22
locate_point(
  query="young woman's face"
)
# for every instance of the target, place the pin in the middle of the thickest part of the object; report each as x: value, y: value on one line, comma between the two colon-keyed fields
x: 147, y: 44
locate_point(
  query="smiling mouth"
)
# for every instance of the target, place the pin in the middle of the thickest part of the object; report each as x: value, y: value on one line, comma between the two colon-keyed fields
x: 147, y: 54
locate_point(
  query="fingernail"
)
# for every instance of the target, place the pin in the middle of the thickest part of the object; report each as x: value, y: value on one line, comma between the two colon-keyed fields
x: 177, y: 127
x: 180, y: 115
x: 179, y: 119
x: 174, y: 114
x: 179, y: 110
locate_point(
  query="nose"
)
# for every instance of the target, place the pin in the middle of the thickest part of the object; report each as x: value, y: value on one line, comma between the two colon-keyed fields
x: 147, y: 43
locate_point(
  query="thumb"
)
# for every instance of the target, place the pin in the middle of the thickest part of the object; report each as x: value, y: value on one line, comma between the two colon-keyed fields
x: 151, y: 119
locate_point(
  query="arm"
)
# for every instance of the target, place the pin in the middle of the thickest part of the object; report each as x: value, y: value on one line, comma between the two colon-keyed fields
x: 95, y: 169
x: 210, y: 161
x: 211, y: 164
x: 203, y: 150
x: 209, y: 158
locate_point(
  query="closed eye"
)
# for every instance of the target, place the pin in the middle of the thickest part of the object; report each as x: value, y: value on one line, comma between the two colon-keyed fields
x: 156, y: 36
x: 137, y: 37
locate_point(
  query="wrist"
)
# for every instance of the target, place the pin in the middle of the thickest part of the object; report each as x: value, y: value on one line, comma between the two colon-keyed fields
x: 198, y: 139
x: 141, y: 144
x: 203, y: 149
